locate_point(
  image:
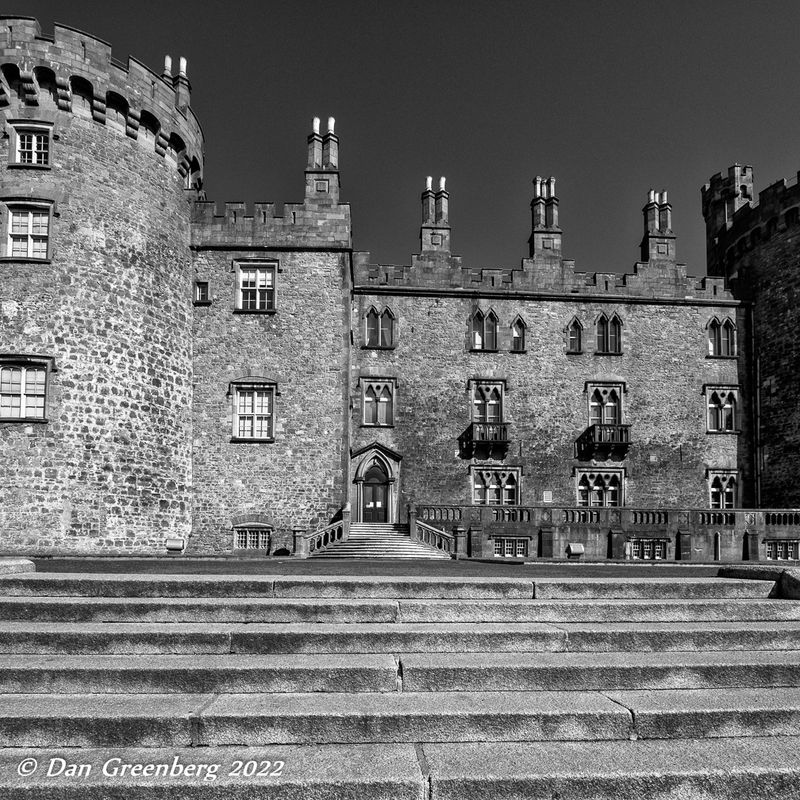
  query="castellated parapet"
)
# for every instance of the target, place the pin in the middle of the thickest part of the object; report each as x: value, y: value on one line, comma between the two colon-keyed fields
x: 656, y: 278
x: 754, y: 244
x: 97, y: 293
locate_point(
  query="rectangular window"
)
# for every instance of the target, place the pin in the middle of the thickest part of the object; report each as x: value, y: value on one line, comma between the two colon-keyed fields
x: 378, y: 402
x: 648, y: 549
x: 510, y: 548
x: 254, y: 415
x: 28, y: 232
x: 251, y: 538
x: 256, y: 287
x: 31, y: 144
x: 495, y: 487
x: 201, y: 293
x: 783, y: 549
x: 22, y: 391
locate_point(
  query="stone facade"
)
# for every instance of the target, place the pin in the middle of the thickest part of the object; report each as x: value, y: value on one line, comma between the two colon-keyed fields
x: 229, y: 383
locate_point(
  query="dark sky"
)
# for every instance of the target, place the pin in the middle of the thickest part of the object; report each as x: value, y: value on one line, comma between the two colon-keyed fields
x: 612, y: 98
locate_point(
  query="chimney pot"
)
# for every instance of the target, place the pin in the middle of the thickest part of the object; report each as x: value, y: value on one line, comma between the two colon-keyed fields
x: 315, y: 125
x: 331, y: 124
x: 441, y: 183
x: 182, y: 67
x: 429, y: 183
x: 168, y: 66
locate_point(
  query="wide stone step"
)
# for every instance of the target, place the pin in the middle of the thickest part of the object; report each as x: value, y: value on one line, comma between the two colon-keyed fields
x: 471, y: 672
x: 144, y: 720
x: 181, y: 720
x: 154, y: 674
x: 228, y: 586
x: 216, y: 638
x: 288, y: 772
x: 273, y: 610
x: 652, y: 588
x: 414, y: 672
x: 120, y: 585
x: 710, y: 769
x: 679, y: 769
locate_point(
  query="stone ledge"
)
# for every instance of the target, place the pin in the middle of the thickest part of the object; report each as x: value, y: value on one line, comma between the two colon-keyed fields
x: 9, y: 566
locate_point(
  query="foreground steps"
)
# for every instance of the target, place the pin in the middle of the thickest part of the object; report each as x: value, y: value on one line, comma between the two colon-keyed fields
x: 425, y: 688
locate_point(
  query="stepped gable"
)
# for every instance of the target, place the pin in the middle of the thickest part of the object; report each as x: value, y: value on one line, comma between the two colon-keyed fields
x: 78, y: 68
x: 544, y: 273
x: 319, y: 222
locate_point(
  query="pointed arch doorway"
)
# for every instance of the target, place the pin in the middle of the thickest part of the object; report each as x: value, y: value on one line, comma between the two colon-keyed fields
x: 375, y: 495
x: 375, y: 484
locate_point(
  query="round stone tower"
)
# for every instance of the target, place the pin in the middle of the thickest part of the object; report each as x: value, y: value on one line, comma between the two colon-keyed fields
x: 98, y: 160
x: 755, y: 244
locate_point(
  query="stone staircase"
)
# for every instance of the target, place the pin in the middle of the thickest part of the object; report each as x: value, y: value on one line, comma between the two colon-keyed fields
x: 431, y: 688
x: 379, y: 540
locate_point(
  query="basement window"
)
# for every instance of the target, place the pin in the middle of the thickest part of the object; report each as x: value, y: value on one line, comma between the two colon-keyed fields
x: 506, y: 547
x: 251, y: 538
x: 783, y: 549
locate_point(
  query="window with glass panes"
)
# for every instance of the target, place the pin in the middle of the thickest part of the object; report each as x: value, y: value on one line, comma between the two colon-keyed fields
x: 254, y: 412
x: 484, y: 331
x: 721, y: 338
x: 574, y: 336
x: 495, y: 487
x: 721, y: 410
x: 22, y: 391
x: 609, y: 334
x: 599, y: 489
x: 257, y: 288
x: 722, y: 489
x: 379, y: 328
x: 510, y: 548
x: 517, y: 336
x: 378, y: 402
x: 33, y: 146
x: 605, y: 407
x: 783, y: 549
x: 251, y: 538
x: 649, y: 549
x: 28, y: 232
x: 487, y: 402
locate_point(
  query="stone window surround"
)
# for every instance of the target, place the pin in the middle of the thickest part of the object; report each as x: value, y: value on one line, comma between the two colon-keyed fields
x: 386, y: 323
x: 202, y: 293
x: 37, y: 128
x: 480, y: 322
x: 25, y: 361
x: 574, y: 325
x: 478, y: 389
x: 724, y: 477
x: 493, y: 476
x: 252, y: 383
x: 29, y: 205
x: 607, y: 475
x: 605, y: 336
x: 271, y: 296
x: 715, y: 328
x: 723, y: 392
x: 605, y: 387
x: 378, y: 385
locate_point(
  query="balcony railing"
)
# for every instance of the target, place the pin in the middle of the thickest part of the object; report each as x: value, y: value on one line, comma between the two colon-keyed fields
x: 484, y: 438
x: 604, y: 439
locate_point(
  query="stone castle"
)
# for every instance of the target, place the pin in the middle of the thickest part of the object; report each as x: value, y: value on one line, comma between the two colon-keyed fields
x: 179, y: 377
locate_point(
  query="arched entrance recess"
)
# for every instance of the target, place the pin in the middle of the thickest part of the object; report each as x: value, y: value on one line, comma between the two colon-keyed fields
x: 375, y: 485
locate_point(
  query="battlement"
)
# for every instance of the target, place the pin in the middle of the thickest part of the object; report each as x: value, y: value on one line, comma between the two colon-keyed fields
x: 75, y: 72
x: 319, y: 221
x: 657, y: 276
x: 736, y: 223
